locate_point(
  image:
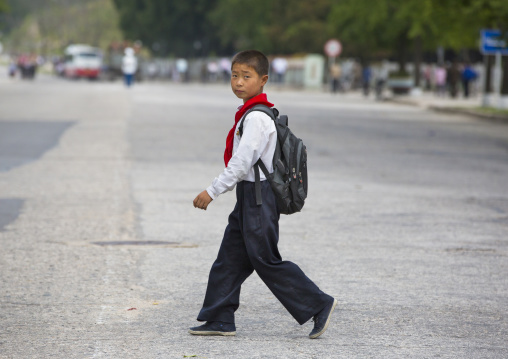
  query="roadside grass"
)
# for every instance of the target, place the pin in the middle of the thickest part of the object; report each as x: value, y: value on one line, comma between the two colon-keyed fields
x: 492, y: 111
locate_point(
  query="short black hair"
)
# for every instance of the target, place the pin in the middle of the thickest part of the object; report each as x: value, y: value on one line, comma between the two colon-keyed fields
x: 253, y: 58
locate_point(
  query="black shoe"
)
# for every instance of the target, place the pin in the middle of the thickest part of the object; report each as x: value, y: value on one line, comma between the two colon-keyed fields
x: 322, y: 319
x: 214, y: 328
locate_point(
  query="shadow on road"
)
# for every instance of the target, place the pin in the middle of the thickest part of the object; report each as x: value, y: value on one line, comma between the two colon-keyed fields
x: 27, y: 141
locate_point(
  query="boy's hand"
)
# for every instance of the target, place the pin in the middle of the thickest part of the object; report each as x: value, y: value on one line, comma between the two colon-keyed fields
x: 202, y: 200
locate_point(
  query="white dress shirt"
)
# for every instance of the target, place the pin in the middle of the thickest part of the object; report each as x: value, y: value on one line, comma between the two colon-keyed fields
x: 129, y: 64
x: 258, y: 141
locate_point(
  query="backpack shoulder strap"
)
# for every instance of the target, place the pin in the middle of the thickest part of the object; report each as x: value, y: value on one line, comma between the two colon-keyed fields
x: 273, y: 113
x: 257, y: 179
x: 262, y: 108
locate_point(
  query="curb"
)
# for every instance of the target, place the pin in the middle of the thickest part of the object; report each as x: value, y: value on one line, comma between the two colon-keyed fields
x: 470, y: 112
x: 498, y: 118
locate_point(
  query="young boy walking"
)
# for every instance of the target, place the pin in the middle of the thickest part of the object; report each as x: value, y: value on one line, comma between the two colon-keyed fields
x: 251, y: 236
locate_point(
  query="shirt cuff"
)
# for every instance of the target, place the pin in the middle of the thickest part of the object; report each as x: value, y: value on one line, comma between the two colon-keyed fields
x: 209, y: 190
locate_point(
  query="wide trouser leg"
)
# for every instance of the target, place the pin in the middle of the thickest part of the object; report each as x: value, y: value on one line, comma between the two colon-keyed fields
x: 260, y: 230
x: 250, y: 243
x: 228, y: 272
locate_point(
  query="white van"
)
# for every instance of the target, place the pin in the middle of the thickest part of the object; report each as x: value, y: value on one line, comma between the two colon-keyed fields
x: 82, y: 61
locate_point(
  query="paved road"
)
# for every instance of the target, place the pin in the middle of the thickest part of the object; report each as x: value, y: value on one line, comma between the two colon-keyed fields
x: 406, y: 225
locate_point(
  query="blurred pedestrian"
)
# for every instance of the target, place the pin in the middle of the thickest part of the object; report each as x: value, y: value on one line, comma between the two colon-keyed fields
x: 213, y: 70
x: 468, y: 75
x: 453, y: 77
x: 366, y: 77
x: 225, y: 66
x: 203, y: 72
x: 129, y: 66
x: 381, y: 78
x: 427, y: 76
x: 280, y: 66
x: 440, y: 80
x: 22, y: 65
x: 182, y: 67
x: 32, y: 65
x: 152, y: 70
x: 12, y: 68
x: 335, y: 73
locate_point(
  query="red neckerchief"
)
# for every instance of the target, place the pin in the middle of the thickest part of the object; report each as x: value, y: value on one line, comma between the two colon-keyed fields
x: 256, y: 100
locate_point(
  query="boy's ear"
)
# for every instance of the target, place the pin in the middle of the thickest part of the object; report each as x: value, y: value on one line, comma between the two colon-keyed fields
x: 264, y: 79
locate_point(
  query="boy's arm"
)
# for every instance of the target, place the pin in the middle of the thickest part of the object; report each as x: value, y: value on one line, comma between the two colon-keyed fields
x: 257, y: 129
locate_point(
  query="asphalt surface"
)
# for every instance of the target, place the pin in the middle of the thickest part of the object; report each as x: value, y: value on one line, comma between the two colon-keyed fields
x: 103, y: 255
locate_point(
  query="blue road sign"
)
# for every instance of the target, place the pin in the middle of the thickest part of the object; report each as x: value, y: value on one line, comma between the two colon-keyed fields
x: 493, y: 42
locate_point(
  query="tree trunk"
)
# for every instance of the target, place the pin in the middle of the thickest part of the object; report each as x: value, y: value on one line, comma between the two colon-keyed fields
x: 488, y: 74
x: 417, y: 59
x: 504, y: 84
x: 402, y: 52
x: 465, y: 55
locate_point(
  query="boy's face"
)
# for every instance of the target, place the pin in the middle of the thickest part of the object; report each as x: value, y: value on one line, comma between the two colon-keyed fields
x: 246, y: 82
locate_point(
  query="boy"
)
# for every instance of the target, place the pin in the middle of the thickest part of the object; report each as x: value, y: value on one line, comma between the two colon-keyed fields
x: 251, y: 236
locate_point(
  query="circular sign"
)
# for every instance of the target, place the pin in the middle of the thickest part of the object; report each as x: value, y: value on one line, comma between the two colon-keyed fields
x: 333, y: 48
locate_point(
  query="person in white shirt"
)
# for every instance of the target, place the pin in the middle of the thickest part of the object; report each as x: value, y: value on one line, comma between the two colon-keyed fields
x: 251, y: 236
x: 129, y: 66
x: 280, y: 66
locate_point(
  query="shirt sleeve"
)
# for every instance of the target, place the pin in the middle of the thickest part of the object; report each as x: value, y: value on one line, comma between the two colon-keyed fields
x: 256, y: 132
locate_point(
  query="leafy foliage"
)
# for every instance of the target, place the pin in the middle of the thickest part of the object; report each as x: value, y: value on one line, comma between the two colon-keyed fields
x: 204, y: 27
x: 50, y: 28
x: 3, y: 6
x: 169, y: 27
x: 274, y: 26
x: 292, y: 26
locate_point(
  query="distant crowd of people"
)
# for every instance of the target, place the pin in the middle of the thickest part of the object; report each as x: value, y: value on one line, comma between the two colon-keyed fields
x: 449, y: 78
x: 25, y: 66
x: 441, y: 78
x: 206, y: 70
x: 342, y: 75
x: 351, y: 75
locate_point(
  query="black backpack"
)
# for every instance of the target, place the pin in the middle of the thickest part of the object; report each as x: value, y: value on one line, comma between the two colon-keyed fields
x: 289, y: 178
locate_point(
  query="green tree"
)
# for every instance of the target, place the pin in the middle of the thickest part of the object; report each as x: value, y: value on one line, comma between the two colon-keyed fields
x: 480, y: 14
x: 384, y: 26
x: 301, y: 28
x: 49, y: 29
x: 169, y: 27
x: 273, y: 26
x: 3, y: 6
x: 366, y: 28
x: 240, y: 24
x: 200, y: 27
x: 400, y: 26
x: 18, y: 10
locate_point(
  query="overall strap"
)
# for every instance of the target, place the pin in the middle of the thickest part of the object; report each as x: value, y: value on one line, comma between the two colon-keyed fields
x: 261, y: 165
x: 267, y: 110
x: 257, y: 185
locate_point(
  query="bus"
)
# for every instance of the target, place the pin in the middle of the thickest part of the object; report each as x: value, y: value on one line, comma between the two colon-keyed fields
x: 82, y: 61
